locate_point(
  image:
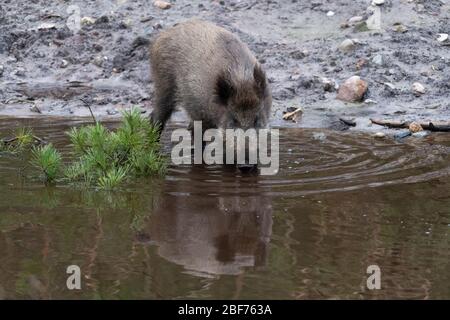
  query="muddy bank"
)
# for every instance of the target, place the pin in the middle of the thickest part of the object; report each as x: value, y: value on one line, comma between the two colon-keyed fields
x: 49, y: 69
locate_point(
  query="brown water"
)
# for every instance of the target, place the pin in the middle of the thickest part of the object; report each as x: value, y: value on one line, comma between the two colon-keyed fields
x: 341, y: 202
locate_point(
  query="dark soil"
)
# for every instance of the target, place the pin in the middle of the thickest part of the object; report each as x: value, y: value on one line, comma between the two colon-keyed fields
x: 53, y: 70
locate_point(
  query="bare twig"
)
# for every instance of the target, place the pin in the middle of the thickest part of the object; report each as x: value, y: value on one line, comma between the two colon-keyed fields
x: 390, y: 123
x: 432, y: 126
x: 90, y: 110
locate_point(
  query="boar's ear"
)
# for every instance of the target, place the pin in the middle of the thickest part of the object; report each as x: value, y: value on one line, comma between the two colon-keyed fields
x: 224, y: 88
x: 260, y: 79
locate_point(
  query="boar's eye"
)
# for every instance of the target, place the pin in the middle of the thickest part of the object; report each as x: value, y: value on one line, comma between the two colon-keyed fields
x: 224, y: 89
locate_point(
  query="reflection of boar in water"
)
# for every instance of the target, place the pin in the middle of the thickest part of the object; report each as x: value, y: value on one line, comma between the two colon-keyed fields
x: 214, y: 236
x: 212, y: 74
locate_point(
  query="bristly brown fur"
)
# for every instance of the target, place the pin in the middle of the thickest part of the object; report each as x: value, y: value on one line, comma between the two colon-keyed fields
x: 212, y: 74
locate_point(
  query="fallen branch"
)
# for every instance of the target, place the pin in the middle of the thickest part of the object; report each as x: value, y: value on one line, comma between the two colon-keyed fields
x: 431, y: 126
x: 294, y: 115
x: 438, y: 127
x: 391, y: 124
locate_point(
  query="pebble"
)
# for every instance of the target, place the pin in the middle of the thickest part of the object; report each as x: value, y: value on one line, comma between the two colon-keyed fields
x: 330, y: 13
x: 328, y: 85
x: 46, y: 26
x: 64, y: 63
x: 1, y: 70
x: 377, y: 2
x: 347, y: 45
x: 420, y: 134
x: 352, y: 90
x: 418, y: 89
x: 98, y: 60
x: 378, y: 60
x: 355, y: 19
x: 402, y: 134
x: 415, y: 127
x: 398, y: 27
x: 370, y: 101
x: 379, y: 135
x: 442, y: 37
x: 87, y: 20
x: 373, y: 21
x: 389, y: 85
x: 162, y: 4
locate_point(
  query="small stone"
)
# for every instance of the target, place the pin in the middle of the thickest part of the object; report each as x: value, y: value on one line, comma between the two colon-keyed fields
x: 420, y: 134
x: 355, y: 20
x: 328, y: 85
x: 98, y: 61
x: 373, y: 21
x: 46, y: 26
x: 418, y: 89
x: 390, y: 85
x: 162, y: 4
x: 330, y: 13
x: 64, y: 63
x: 402, y: 134
x: 379, y: 135
x: 378, y: 60
x: 87, y: 20
x: 370, y: 101
x: 126, y: 23
x: 442, y: 37
x: 415, y: 127
x: 1, y: 70
x: 398, y: 27
x: 347, y: 45
x: 293, y: 115
x: 377, y: 2
x: 352, y: 90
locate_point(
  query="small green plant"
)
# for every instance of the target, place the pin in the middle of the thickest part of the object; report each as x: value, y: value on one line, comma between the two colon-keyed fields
x: 22, y: 140
x: 101, y: 157
x: 113, y: 178
x: 107, y: 158
x: 24, y: 137
x: 48, y: 160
